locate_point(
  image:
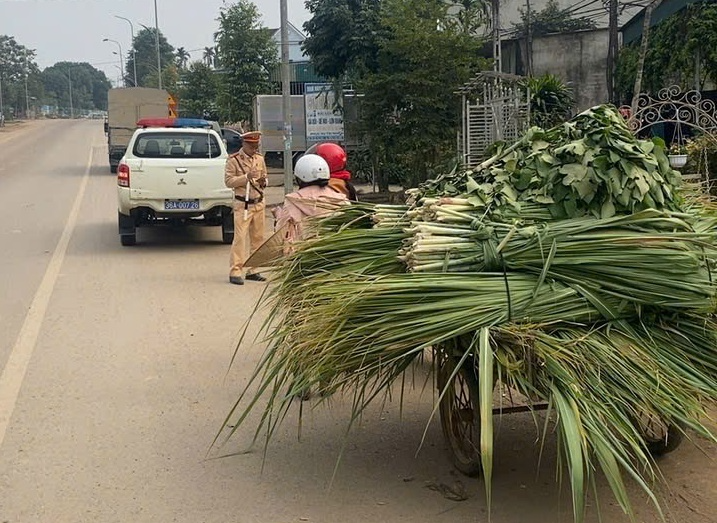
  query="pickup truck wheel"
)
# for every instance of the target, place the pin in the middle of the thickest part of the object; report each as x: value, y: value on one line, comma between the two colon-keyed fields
x: 127, y: 229
x: 228, y: 228
x: 128, y: 239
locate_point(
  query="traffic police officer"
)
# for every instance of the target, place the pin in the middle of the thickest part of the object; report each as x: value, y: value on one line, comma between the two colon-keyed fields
x: 245, y: 172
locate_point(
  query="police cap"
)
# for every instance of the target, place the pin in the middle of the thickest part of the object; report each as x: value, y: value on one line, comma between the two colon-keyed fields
x: 251, y: 136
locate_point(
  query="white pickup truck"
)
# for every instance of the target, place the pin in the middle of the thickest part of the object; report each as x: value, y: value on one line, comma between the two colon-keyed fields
x: 173, y: 173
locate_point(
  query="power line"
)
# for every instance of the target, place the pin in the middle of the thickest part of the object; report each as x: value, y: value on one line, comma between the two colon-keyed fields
x: 575, y: 9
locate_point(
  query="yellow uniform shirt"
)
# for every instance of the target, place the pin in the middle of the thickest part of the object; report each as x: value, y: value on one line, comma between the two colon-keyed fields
x: 240, y: 167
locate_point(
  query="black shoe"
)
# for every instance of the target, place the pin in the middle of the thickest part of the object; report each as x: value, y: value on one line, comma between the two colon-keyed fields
x: 255, y: 277
x: 236, y: 280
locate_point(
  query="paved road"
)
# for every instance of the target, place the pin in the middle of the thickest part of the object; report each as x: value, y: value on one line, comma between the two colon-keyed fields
x: 115, y: 380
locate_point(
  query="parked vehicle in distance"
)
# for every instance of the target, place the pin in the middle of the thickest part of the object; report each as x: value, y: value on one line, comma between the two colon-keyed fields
x: 232, y: 139
x: 173, y: 173
x: 125, y: 106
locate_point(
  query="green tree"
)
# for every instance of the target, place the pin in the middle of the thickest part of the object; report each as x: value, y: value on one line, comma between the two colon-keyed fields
x: 411, y: 114
x: 246, y: 54
x: 16, y: 63
x: 471, y: 16
x: 170, y: 78
x: 209, y: 56
x: 182, y: 57
x: 552, y: 19
x: 198, y: 92
x: 407, y: 58
x: 145, y: 48
x: 343, y: 37
x: 13, y: 58
x: 681, y: 49
x: 89, y: 86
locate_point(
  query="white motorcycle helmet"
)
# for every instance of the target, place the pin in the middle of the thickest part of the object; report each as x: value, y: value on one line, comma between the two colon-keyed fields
x: 311, y: 167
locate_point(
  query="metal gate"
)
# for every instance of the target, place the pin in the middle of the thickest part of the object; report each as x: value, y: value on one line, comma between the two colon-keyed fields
x: 495, y: 108
x: 672, y: 105
x: 680, y: 108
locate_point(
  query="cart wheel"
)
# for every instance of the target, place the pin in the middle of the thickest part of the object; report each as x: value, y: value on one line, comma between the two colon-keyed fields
x: 460, y: 416
x: 660, y: 437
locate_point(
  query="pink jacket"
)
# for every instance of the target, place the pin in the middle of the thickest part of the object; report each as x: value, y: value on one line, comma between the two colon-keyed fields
x: 308, y: 201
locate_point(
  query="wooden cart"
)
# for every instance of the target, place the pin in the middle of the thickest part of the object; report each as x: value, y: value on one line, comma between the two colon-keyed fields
x: 460, y: 415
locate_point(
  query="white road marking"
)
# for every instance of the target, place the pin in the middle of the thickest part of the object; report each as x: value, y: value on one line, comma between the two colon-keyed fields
x: 17, y: 364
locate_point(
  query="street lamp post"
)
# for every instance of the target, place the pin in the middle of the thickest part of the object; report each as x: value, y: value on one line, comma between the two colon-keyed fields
x: 121, y: 57
x: 27, y: 100
x: 119, y: 71
x: 2, y: 108
x: 134, y: 51
x: 27, y: 96
x: 120, y: 68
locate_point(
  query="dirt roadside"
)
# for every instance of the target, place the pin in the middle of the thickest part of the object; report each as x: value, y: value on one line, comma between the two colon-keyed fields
x: 15, y: 128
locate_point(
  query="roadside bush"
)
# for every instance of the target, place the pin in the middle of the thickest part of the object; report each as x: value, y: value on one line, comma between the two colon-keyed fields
x: 551, y: 100
x: 702, y: 158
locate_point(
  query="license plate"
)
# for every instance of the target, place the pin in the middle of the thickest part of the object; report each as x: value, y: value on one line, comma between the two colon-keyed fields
x: 181, y: 205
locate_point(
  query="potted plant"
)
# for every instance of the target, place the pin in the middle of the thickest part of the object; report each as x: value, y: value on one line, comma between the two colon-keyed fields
x: 677, y: 154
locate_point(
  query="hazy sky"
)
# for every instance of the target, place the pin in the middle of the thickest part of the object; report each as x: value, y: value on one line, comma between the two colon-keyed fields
x: 72, y: 30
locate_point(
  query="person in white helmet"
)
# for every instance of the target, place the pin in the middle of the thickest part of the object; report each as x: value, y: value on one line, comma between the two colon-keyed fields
x: 314, y: 197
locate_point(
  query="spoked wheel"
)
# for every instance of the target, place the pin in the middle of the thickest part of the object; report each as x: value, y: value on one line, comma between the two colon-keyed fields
x: 460, y: 415
x: 660, y: 437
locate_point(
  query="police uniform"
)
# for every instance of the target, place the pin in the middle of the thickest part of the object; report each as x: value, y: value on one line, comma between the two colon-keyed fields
x: 246, y: 170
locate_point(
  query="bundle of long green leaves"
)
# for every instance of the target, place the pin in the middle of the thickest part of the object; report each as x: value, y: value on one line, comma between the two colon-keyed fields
x: 570, y: 265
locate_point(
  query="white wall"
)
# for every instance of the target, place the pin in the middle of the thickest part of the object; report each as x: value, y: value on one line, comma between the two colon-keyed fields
x: 295, y: 39
x: 579, y: 59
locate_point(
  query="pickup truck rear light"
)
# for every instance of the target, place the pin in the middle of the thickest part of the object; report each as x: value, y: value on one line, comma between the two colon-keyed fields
x: 123, y: 175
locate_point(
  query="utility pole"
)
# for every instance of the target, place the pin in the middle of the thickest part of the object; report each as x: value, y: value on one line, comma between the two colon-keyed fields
x: 612, y: 50
x: 159, y: 59
x: 643, y: 52
x: 497, y: 54
x: 529, y: 39
x: 286, y: 98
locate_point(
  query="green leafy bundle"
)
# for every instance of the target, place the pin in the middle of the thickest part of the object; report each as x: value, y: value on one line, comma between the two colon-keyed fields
x: 571, y: 266
x: 591, y: 165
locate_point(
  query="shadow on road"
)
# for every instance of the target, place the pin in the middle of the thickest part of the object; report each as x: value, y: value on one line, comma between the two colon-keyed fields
x: 102, y: 237
x: 380, y: 464
x: 163, y: 236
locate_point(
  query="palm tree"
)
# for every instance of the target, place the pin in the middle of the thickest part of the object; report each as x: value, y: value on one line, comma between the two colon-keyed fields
x: 182, y: 57
x: 209, y: 56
